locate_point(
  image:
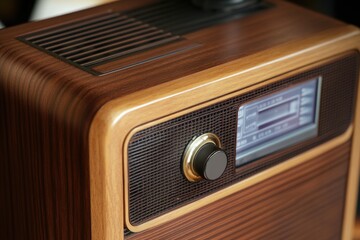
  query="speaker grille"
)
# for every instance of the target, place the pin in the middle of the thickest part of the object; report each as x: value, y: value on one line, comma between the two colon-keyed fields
x: 156, y: 184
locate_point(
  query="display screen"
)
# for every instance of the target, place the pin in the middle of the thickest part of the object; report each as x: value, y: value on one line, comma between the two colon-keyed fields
x: 277, y: 121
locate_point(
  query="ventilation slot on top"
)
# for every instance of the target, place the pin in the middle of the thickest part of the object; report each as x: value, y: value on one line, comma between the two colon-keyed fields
x: 100, y: 40
x: 103, y: 44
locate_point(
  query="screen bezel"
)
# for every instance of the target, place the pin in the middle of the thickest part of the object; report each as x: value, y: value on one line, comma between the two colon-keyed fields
x: 291, y: 138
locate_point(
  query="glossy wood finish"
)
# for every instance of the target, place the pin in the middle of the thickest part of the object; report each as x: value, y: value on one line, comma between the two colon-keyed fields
x: 166, y: 51
x: 305, y: 202
x: 44, y: 187
x: 47, y: 107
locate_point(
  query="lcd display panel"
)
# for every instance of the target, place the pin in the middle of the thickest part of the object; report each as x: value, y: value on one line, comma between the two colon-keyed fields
x: 277, y: 121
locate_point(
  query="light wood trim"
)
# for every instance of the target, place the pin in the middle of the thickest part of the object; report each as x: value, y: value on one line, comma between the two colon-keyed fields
x: 117, y: 118
x: 293, y: 162
x: 353, y: 177
x: 106, y: 183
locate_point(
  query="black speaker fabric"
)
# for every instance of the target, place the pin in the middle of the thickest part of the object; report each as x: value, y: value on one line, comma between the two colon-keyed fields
x: 156, y: 183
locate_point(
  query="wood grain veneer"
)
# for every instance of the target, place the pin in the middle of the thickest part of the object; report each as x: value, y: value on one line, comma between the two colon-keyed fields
x: 305, y: 202
x: 58, y: 180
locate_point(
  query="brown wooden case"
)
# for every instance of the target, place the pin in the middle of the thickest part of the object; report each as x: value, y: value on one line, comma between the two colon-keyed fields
x: 68, y: 115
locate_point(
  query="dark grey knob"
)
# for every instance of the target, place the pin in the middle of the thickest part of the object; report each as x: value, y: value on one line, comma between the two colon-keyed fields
x: 203, y: 158
x: 210, y: 162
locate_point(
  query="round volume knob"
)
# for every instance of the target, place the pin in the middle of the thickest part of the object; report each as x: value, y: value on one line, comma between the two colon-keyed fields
x: 204, y: 158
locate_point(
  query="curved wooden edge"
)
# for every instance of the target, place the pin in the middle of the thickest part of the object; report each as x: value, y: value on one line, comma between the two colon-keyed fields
x: 114, y: 121
x: 353, y: 176
x: 106, y: 184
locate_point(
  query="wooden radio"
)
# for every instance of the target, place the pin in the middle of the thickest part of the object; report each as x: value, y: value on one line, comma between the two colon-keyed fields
x: 165, y: 120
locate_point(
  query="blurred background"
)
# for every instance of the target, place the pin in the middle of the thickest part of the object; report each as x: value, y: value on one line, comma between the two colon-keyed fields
x: 13, y: 12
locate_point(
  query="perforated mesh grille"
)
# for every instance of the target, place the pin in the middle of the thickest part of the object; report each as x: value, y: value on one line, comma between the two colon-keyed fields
x: 156, y: 184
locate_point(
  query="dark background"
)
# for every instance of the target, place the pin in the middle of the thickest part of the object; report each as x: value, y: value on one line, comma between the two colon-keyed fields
x: 13, y: 12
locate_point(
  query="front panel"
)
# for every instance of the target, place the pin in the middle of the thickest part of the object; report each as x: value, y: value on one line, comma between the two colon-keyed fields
x: 308, y: 109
